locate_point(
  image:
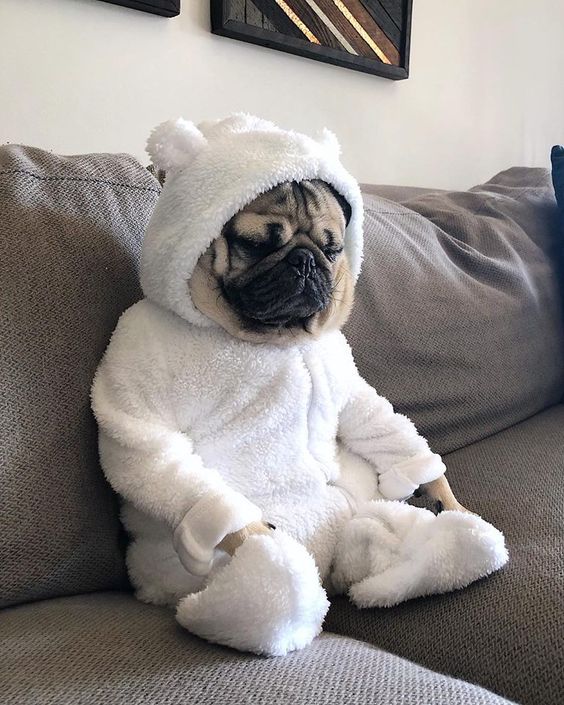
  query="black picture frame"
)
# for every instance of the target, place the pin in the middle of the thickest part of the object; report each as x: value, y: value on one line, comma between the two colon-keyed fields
x: 165, y: 8
x: 223, y: 24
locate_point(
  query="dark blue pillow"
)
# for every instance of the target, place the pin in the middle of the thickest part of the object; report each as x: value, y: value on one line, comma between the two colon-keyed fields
x: 557, y: 157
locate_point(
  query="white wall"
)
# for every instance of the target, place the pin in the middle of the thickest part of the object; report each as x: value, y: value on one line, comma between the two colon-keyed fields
x: 486, y: 89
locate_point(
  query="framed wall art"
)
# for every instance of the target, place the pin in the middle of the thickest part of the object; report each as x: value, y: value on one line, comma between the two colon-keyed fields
x: 364, y: 35
x: 166, y: 8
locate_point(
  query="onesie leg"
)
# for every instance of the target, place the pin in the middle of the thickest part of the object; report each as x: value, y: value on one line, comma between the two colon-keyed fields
x: 267, y: 599
x: 156, y: 572
x: 390, y: 552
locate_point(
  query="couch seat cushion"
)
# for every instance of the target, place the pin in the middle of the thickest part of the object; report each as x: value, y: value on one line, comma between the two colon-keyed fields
x: 505, y: 632
x: 109, y: 648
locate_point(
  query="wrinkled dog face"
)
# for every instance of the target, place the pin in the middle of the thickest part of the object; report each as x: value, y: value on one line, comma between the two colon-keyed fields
x: 278, y: 272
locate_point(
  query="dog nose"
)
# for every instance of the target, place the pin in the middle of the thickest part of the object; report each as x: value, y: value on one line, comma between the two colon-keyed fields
x: 302, y: 259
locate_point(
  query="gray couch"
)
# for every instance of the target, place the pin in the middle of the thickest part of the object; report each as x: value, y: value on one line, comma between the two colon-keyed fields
x: 458, y: 321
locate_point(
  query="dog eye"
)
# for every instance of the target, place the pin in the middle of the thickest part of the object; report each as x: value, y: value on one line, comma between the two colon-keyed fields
x: 246, y: 248
x: 332, y: 253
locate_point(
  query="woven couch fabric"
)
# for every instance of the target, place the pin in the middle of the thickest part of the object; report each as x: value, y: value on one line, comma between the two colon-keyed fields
x: 457, y: 317
x: 505, y: 632
x: 108, y: 648
x: 70, y: 234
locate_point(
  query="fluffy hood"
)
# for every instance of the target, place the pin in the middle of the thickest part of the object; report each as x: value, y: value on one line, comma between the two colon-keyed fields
x: 212, y: 171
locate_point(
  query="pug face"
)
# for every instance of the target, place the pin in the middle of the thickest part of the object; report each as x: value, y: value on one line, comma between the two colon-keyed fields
x: 278, y: 272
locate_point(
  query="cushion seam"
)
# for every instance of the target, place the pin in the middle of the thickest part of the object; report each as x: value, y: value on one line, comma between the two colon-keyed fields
x: 93, y: 180
x: 446, y: 453
x: 409, y: 212
x: 489, y: 198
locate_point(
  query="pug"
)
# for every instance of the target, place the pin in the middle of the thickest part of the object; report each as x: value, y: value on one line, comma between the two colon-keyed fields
x: 279, y: 273
x: 228, y: 398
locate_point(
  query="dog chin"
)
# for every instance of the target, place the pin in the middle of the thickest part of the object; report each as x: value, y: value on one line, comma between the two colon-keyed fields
x: 281, y: 323
x: 276, y: 316
x: 290, y: 306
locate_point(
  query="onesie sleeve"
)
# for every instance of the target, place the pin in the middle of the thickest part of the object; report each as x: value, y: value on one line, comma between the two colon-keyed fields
x: 151, y: 463
x: 369, y: 427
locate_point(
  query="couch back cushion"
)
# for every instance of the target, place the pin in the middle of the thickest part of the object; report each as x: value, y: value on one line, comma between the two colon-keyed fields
x: 458, y: 319
x: 70, y: 234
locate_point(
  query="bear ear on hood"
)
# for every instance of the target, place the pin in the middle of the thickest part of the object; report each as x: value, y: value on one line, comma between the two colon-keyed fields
x: 329, y: 140
x: 172, y: 145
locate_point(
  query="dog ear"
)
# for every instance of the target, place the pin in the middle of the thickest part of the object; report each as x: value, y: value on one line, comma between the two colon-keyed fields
x: 342, y: 201
x: 174, y: 144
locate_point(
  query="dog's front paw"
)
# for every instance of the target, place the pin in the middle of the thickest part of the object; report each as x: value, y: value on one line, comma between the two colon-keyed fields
x: 442, y: 506
x: 233, y: 541
x: 440, y: 496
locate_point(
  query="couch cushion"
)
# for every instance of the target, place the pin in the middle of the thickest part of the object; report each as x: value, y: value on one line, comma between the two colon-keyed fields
x: 396, y: 193
x: 505, y: 632
x: 457, y: 317
x: 70, y: 236
x: 109, y: 648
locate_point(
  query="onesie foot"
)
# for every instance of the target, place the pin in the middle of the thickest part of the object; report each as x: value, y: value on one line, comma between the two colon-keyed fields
x: 392, y: 552
x: 267, y: 599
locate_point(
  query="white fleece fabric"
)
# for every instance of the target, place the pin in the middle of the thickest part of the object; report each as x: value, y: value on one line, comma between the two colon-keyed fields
x: 201, y: 433
x: 278, y: 605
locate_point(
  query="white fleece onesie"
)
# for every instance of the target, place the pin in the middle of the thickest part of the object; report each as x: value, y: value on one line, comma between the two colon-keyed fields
x: 201, y: 433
